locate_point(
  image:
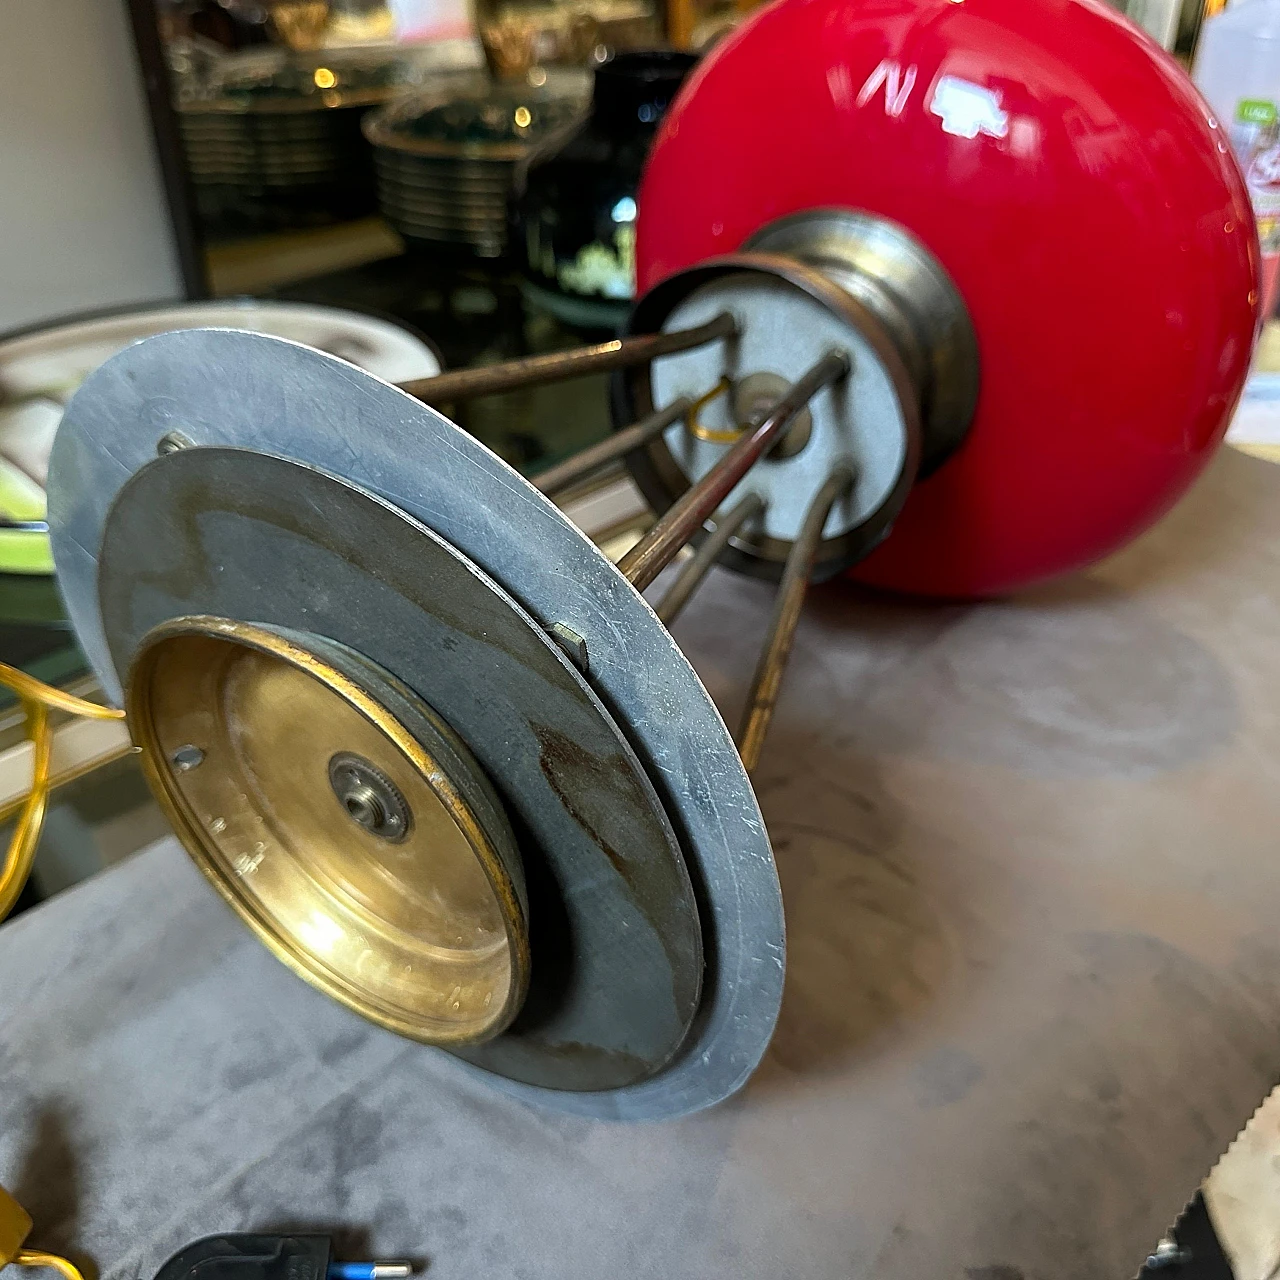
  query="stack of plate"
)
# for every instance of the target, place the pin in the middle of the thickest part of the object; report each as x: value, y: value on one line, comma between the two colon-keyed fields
x: 445, y: 157
x: 258, y: 169
x: 277, y: 142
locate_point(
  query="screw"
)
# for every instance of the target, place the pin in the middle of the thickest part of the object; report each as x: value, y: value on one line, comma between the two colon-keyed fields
x: 1168, y: 1254
x: 370, y: 798
x: 171, y: 442
x: 187, y: 757
x: 364, y: 805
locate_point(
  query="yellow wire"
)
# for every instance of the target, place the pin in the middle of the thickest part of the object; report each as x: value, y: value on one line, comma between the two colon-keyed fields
x: 29, y: 688
x: 37, y: 698
x: 34, y: 1258
x: 713, y: 435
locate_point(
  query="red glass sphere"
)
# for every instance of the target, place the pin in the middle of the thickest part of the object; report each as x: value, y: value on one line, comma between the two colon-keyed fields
x: 1071, y: 180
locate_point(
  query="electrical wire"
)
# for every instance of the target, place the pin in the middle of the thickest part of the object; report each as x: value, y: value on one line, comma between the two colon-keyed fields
x: 713, y: 435
x: 38, y: 699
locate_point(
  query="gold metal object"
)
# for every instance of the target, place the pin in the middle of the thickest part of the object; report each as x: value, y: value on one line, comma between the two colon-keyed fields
x: 38, y: 699
x: 767, y: 681
x: 708, y: 552
x: 726, y: 435
x: 15, y: 1226
x: 681, y: 18
x: 301, y: 24
x: 751, y: 400
x: 618, y: 445
x: 341, y: 818
x: 533, y: 371
x: 38, y: 1258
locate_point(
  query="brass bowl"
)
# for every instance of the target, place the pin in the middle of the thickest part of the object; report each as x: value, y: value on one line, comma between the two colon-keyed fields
x: 341, y: 818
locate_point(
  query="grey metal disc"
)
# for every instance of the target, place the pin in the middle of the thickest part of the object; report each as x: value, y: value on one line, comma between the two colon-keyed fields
x: 789, y: 316
x: 225, y: 387
x: 860, y: 421
x: 617, y: 954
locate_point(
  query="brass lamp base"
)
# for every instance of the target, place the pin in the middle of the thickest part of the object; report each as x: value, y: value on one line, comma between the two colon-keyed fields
x: 345, y: 822
x: 654, y: 915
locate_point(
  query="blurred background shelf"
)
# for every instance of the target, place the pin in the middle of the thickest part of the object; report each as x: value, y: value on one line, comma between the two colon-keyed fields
x: 262, y: 263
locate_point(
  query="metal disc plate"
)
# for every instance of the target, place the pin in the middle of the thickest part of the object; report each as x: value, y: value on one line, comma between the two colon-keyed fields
x: 784, y: 332
x: 789, y: 316
x: 614, y: 934
x: 223, y: 387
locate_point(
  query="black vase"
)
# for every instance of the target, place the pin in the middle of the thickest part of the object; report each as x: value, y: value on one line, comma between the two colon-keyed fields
x: 575, y: 196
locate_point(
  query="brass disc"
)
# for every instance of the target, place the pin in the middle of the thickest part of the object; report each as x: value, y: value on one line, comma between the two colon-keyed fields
x: 341, y: 818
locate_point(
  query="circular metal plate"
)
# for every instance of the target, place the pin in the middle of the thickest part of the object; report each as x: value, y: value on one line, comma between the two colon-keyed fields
x: 345, y: 823
x: 617, y: 959
x: 896, y: 278
x: 234, y: 388
x: 789, y: 316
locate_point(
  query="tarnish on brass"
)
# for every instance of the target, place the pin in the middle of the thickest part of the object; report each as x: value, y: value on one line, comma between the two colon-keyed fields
x: 341, y: 818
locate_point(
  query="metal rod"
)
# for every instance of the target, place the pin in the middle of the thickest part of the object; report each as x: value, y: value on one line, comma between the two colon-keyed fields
x: 616, y: 446
x: 532, y: 371
x: 655, y: 550
x: 786, y: 615
x: 706, y: 555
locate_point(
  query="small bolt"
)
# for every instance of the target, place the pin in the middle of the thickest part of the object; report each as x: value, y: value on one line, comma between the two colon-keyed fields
x: 1168, y: 1254
x: 187, y: 757
x: 574, y: 646
x: 171, y: 442
x: 365, y: 805
x: 369, y: 797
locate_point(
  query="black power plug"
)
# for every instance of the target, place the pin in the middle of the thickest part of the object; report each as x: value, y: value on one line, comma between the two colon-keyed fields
x: 248, y: 1256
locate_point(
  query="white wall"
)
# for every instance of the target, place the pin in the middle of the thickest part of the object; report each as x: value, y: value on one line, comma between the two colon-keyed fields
x: 83, y: 221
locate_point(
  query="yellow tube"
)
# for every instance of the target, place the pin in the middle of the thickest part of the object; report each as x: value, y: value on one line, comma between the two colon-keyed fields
x: 37, y: 698
x: 35, y: 1258
x: 32, y: 690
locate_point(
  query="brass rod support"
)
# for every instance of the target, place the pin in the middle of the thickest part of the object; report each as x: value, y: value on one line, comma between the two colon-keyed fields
x: 619, y: 444
x: 706, y: 555
x: 532, y: 371
x: 786, y: 615
x: 698, y: 503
